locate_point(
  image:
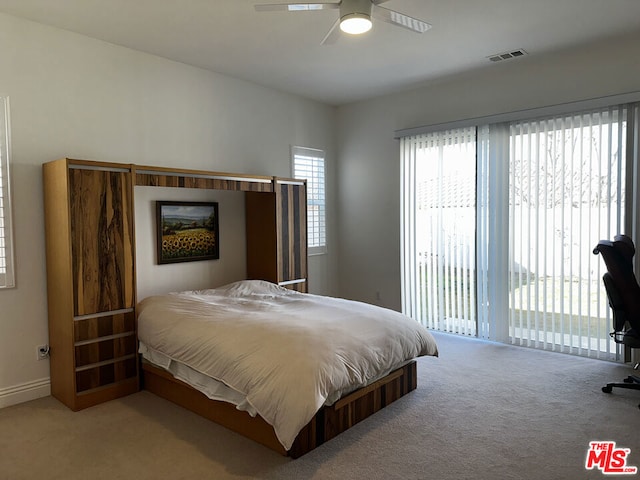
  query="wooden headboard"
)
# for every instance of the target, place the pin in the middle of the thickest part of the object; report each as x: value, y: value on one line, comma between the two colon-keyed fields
x: 90, y: 246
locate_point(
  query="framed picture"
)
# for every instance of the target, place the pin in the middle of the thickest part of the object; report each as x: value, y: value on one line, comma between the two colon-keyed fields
x: 187, y: 231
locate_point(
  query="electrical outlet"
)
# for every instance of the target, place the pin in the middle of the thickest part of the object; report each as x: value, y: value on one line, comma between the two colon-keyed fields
x: 42, y: 352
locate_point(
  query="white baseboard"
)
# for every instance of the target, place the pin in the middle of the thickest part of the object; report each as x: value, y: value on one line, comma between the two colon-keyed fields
x: 25, y: 392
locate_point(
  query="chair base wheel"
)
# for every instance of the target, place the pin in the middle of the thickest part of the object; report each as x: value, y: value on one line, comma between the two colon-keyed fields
x: 607, y: 389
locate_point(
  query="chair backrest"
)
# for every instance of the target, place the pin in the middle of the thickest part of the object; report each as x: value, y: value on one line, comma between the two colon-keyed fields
x: 620, y: 282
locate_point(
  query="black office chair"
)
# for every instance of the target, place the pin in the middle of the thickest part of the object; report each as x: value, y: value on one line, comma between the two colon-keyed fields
x: 623, y: 293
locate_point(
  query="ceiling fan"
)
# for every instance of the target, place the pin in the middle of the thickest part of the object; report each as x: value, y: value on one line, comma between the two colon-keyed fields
x: 355, y: 16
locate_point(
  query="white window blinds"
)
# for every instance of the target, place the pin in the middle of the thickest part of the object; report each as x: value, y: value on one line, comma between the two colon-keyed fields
x: 567, y: 191
x: 6, y: 252
x: 521, y: 269
x: 438, y: 225
x: 309, y: 164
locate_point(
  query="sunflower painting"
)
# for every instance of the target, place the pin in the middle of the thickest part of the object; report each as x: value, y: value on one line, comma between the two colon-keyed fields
x: 187, y: 231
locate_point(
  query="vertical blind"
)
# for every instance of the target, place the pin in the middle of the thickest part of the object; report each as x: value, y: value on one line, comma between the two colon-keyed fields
x: 438, y: 216
x: 6, y: 253
x: 499, y: 224
x: 492, y: 240
x: 308, y: 164
x: 567, y: 191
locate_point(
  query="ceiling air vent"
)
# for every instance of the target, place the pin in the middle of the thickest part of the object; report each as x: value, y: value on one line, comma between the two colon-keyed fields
x: 507, y: 55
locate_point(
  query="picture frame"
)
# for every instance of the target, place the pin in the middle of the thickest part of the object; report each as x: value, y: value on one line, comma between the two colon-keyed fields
x: 187, y: 231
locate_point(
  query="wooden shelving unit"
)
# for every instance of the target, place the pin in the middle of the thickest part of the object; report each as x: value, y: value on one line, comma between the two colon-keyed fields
x: 90, y: 281
x: 90, y: 246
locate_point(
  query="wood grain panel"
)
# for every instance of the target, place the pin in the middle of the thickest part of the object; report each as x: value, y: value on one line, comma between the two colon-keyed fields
x: 355, y: 407
x: 276, y: 227
x: 59, y: 275
x: 167, y: 180
x: 101, y: 351
x: 95, y: 396
x: 94, y: 327
x: 292, y: 232
x: 164, y: 385
x: 327, y: 423
x: 101, y: 240
x: 298, y: 286
x: 106, y: 374
x: 260, y: 224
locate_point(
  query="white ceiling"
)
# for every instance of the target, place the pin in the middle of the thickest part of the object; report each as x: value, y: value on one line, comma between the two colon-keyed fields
x: 282, y: 49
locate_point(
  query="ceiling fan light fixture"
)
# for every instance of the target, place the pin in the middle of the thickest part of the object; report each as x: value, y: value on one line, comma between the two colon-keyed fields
x: 355, y: 23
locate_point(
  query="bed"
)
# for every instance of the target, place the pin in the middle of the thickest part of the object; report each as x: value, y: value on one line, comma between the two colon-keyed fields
x: 287, y: 369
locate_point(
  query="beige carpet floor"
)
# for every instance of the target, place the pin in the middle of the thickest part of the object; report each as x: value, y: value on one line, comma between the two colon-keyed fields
x: 481, y: 411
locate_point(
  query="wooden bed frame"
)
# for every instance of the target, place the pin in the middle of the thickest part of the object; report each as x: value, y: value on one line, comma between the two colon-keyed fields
x: 92, y: 290
x: 270, y: 260
x: 328, y: 422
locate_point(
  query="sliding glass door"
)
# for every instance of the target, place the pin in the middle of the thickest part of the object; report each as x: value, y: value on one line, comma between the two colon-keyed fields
x: 567, y: 191
x: 439, y: 217
x: 499, y: 223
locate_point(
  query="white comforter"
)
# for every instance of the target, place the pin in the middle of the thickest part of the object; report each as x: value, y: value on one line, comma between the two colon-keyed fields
x: 289, y: 353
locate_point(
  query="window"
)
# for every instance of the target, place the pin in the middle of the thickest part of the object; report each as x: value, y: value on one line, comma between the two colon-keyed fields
x: 439, y: 211
x: 500, y: 220
x: 308, y: 164
x: 567, y: 191
x: 6, y: 253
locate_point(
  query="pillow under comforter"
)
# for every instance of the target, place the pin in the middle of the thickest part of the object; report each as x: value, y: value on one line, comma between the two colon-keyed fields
x: 289, y: 353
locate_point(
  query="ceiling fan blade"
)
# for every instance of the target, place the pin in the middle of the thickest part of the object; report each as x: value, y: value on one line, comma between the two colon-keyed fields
x: 332, y: 35
x: 400, y: 19
x: 295, y: 7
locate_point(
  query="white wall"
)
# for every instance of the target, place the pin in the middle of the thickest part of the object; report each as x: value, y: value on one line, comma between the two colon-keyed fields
x: 72, y: 96
x: 154, y: 279
x: 368, y: 163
